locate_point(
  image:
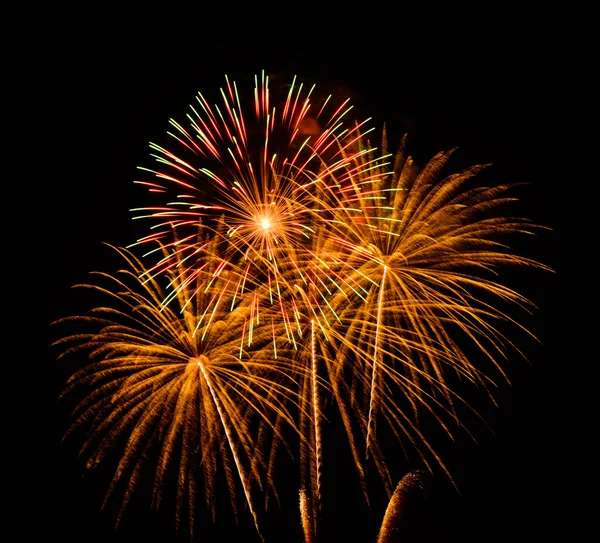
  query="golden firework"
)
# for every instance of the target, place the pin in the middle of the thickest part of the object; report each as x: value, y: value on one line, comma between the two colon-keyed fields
x: 177, y: 381
x: 298, y: 269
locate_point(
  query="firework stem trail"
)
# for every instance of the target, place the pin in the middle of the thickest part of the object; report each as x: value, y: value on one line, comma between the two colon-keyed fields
x: 316, y: 413
x: 409, y: 491
x: 306, y: 518
x: 200, y: 362
x: 373, y: 391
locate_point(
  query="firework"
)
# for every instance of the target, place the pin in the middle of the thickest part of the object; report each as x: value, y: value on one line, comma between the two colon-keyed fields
x: 292, y: 268
x: 177, y: 383
x: 250, y: 171
x: 410, y: 269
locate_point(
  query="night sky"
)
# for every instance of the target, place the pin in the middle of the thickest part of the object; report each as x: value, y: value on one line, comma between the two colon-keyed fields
x: 517, y: 483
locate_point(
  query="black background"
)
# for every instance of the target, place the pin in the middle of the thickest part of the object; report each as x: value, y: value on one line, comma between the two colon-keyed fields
x: 510, y: 108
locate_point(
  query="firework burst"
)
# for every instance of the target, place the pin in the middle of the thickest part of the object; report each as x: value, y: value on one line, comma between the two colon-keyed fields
x: 255, y: 167
x: 412, y: 262
x: 169, y: 381
x: 295, y: 268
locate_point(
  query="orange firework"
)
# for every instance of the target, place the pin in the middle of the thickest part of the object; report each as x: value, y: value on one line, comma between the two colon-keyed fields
x: 176, y: 381
x: 297, y: 267
x: 255, y: 172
